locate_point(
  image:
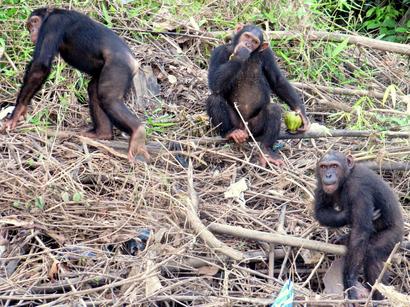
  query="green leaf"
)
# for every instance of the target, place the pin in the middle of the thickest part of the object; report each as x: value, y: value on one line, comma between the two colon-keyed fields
x: 39, y: 202
x: 391, y: 38
x: 107, y: 17
x: 390, y: 90
x: 370, y: 12
x: 65, y: 196
x: 16, y: 204
x: 402, y: 30
x: 385, y: 31
x: 370, y: 25
x: 389, y: 23
x: 77, y: 197
x: 340, y: 47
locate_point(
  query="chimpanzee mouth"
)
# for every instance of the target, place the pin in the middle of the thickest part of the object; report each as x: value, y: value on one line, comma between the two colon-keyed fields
x: 329, y: 188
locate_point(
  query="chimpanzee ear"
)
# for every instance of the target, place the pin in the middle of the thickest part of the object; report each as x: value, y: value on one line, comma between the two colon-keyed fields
x: 239, y: 27
x: 264, y: 46
x: 350, y: 161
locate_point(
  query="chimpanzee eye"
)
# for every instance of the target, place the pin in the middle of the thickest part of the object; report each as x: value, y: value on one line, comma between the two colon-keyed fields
x: 333, y: 166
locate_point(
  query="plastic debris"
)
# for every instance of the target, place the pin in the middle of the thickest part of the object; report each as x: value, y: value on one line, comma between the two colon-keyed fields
x: 285, y: 296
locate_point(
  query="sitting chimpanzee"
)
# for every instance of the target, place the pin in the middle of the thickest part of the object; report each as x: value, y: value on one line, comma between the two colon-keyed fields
x: 95, y: 50
x: 349, y: 194
x: 244, y: 72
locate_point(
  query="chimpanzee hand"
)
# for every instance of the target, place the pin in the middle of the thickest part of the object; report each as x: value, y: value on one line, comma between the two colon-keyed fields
x: 242, y: 52
x: 305, y: 123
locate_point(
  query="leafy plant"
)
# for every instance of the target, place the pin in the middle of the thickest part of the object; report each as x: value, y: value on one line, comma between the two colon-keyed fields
x: 385, y: 21
x: 159, y: 123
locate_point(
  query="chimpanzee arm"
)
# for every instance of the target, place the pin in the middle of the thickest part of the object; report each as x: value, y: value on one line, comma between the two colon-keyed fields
x: 39, y: 68
x: 279, y: 84
x: 222, y: 70
x: 362, y: 228
x: 326, y: 214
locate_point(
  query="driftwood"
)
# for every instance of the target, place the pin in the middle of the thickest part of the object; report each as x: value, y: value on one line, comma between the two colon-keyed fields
x: 344, y: 91
x: 387, y: 166
x: 189, y: 210
x: 194, y: 263
x: 289, y: 240
x: 339, y: 37
x: 318, y: 134
x: 277, y: 238
x: 155, y: 148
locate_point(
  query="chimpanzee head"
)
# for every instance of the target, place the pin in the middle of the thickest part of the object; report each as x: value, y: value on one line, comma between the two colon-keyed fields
x: 332, y: 171
x: 34, y: 22
x: 250, y: 37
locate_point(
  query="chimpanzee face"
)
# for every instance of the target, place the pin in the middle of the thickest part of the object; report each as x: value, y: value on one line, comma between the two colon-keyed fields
x: 33, y: 25
x: 332, y: 170
x: 330, y: 174
x: 249, y: 40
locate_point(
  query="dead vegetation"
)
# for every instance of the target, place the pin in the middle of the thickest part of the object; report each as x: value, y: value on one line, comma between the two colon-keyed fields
x: 70, y: 207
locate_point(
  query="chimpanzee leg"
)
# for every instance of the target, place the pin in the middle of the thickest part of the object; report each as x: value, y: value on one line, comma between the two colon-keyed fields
x: 266, y: 127
x: 113, y: 84
x: 102, y: 124
x: 380, y: 247
x: 226, y: 118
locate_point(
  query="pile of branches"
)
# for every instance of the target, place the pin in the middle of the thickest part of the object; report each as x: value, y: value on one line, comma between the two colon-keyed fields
x: 78, y: 223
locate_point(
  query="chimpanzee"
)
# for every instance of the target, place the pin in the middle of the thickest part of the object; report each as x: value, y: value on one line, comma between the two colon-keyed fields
x: 244, y: 72
x: 95, y: 50
x: 349, y: 194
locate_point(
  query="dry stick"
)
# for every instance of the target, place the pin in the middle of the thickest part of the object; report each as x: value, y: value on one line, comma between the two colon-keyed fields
x: 318, y: 134
x: 61, y: 268
x: 261, y: 152
x: 279, y: 229
x: 344, y: 91
x: 194, y: 263
x: 298, y: 288
x: 154, y: 147
x: 254, y: 301
x: 250, y: 133
x: 378, y: 280
x: 191, y: 206
x: 313, y: 272
x: 277, y: 238
x: 340, y: 302
x: 133, y: 279
x: 387, y: 166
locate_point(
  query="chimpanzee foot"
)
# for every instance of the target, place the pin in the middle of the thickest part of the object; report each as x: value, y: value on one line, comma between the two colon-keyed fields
x: 238, y: 135
x: 11, y: 123
x: 361, y: 291
x: 268, y: 155
x: 137, y: 144
x: 92, y: 134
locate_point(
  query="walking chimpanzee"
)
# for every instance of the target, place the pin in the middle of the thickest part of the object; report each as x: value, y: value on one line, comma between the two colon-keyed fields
x: 94, y: 49
x: 349, y: 194
x: 244, y: 72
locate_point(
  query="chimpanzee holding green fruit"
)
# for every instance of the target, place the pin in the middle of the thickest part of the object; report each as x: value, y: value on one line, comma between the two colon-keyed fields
x: 244, y: 72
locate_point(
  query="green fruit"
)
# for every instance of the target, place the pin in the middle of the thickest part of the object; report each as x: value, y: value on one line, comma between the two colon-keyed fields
x: 293, y: 121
